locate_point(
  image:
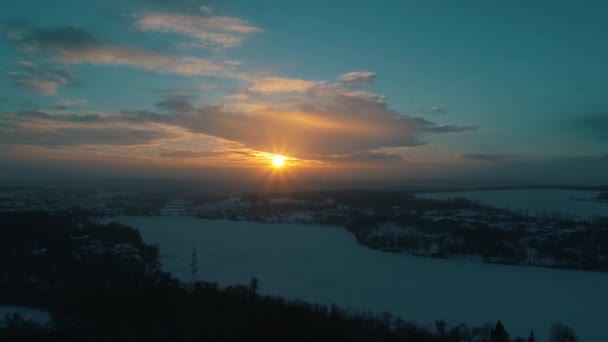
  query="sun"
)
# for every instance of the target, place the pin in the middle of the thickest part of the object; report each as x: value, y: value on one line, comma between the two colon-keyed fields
x: 278, y: 161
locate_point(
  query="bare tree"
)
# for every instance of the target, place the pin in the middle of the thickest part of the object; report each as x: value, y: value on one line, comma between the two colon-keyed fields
x: 441, y: 327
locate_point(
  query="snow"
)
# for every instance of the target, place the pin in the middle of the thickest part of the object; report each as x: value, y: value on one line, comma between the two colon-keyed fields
x: 325, y: 264
x: 535, y: 201
x: 26, y: 313
x: 283, y: 200
x: 387, y: 229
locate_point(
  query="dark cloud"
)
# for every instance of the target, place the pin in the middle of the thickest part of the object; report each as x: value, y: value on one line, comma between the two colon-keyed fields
x: 493, y: 157
x: 52, y: 38
x: 176, y: 104
x: 44, y: 78
x: 367, y: 157
x: 78, y: 136
x: 192, y: 92
x: 68, y: 118
x: 188, y: 154
x: 71, y: 45
x: 193, y: 154
x: 57, y: 130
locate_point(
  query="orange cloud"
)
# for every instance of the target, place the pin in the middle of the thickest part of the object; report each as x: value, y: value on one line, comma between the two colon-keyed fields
x: 280, y: 85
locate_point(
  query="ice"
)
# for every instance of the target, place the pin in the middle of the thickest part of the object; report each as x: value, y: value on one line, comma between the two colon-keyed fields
x: 325, y: 264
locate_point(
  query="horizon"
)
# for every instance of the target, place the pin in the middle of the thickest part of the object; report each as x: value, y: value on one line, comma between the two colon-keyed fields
x: 229, y: 186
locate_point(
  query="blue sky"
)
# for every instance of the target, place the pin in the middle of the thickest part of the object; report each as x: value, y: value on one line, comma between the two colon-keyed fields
x: 434, y: 88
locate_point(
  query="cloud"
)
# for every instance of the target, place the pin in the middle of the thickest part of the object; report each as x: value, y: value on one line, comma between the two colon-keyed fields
x: 439, y: 110
x: 43, y: 79
x: 493, y: 157
x: 70, y: 103
x: 269, y: 85
x: 358, y: 77
x: 71, y: 45
x: 333, y: 125
x: 79, y: 136
x: 222, y: 32
x: 193, y: 154
x: 278, y: 85
x: 189, y: 91
x: 595, y: 125
x: 191, y: 24
x: 206, y: 9
x: 176, y: 104
x: 40, y: 86
x: 44, y: 129
x: 365, y: 96
x: 367, y: 157
x: 41, y: 116
x: 314, y: 121
x: 181, y: 154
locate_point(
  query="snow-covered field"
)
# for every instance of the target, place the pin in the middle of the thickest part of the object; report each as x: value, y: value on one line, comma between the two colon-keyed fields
x: 533, y: 200
x: 324, y: 264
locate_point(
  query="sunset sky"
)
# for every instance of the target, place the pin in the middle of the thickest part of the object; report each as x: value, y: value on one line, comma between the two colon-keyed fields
x: 402, y: 89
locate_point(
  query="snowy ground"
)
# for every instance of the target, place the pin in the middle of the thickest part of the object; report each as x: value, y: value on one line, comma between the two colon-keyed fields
x: 26, y: 313
x: 324, y: 264
x: 571, y: 202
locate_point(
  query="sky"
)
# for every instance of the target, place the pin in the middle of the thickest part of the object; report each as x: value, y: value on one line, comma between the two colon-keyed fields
x: 341, y: 89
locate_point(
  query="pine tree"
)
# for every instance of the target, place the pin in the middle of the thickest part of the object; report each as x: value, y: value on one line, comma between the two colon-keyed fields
x: 531, y: 338
x: 499, y: 334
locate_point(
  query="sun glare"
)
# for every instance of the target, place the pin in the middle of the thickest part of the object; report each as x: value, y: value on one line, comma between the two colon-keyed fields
x: 278, y: 161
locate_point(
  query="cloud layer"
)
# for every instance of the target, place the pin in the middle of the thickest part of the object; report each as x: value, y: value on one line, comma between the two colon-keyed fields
x: 217, y: 31
x: 321, y: 124
x: 70, y: 45
x: 336, y: 121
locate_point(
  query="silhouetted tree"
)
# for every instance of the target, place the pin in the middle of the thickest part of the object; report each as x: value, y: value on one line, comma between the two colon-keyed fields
x: 253, y: 286
x: 460, y: 333
x: 441, y: 327
x: 482, y: 333
x: 499, y: 334
x: 531, y: 338
x: 561, y: 333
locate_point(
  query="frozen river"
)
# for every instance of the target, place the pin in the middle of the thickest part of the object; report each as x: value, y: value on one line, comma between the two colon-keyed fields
x: 324, y: 264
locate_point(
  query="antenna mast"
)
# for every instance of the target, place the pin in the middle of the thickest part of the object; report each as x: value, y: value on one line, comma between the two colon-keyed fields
x: 193, y: 266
